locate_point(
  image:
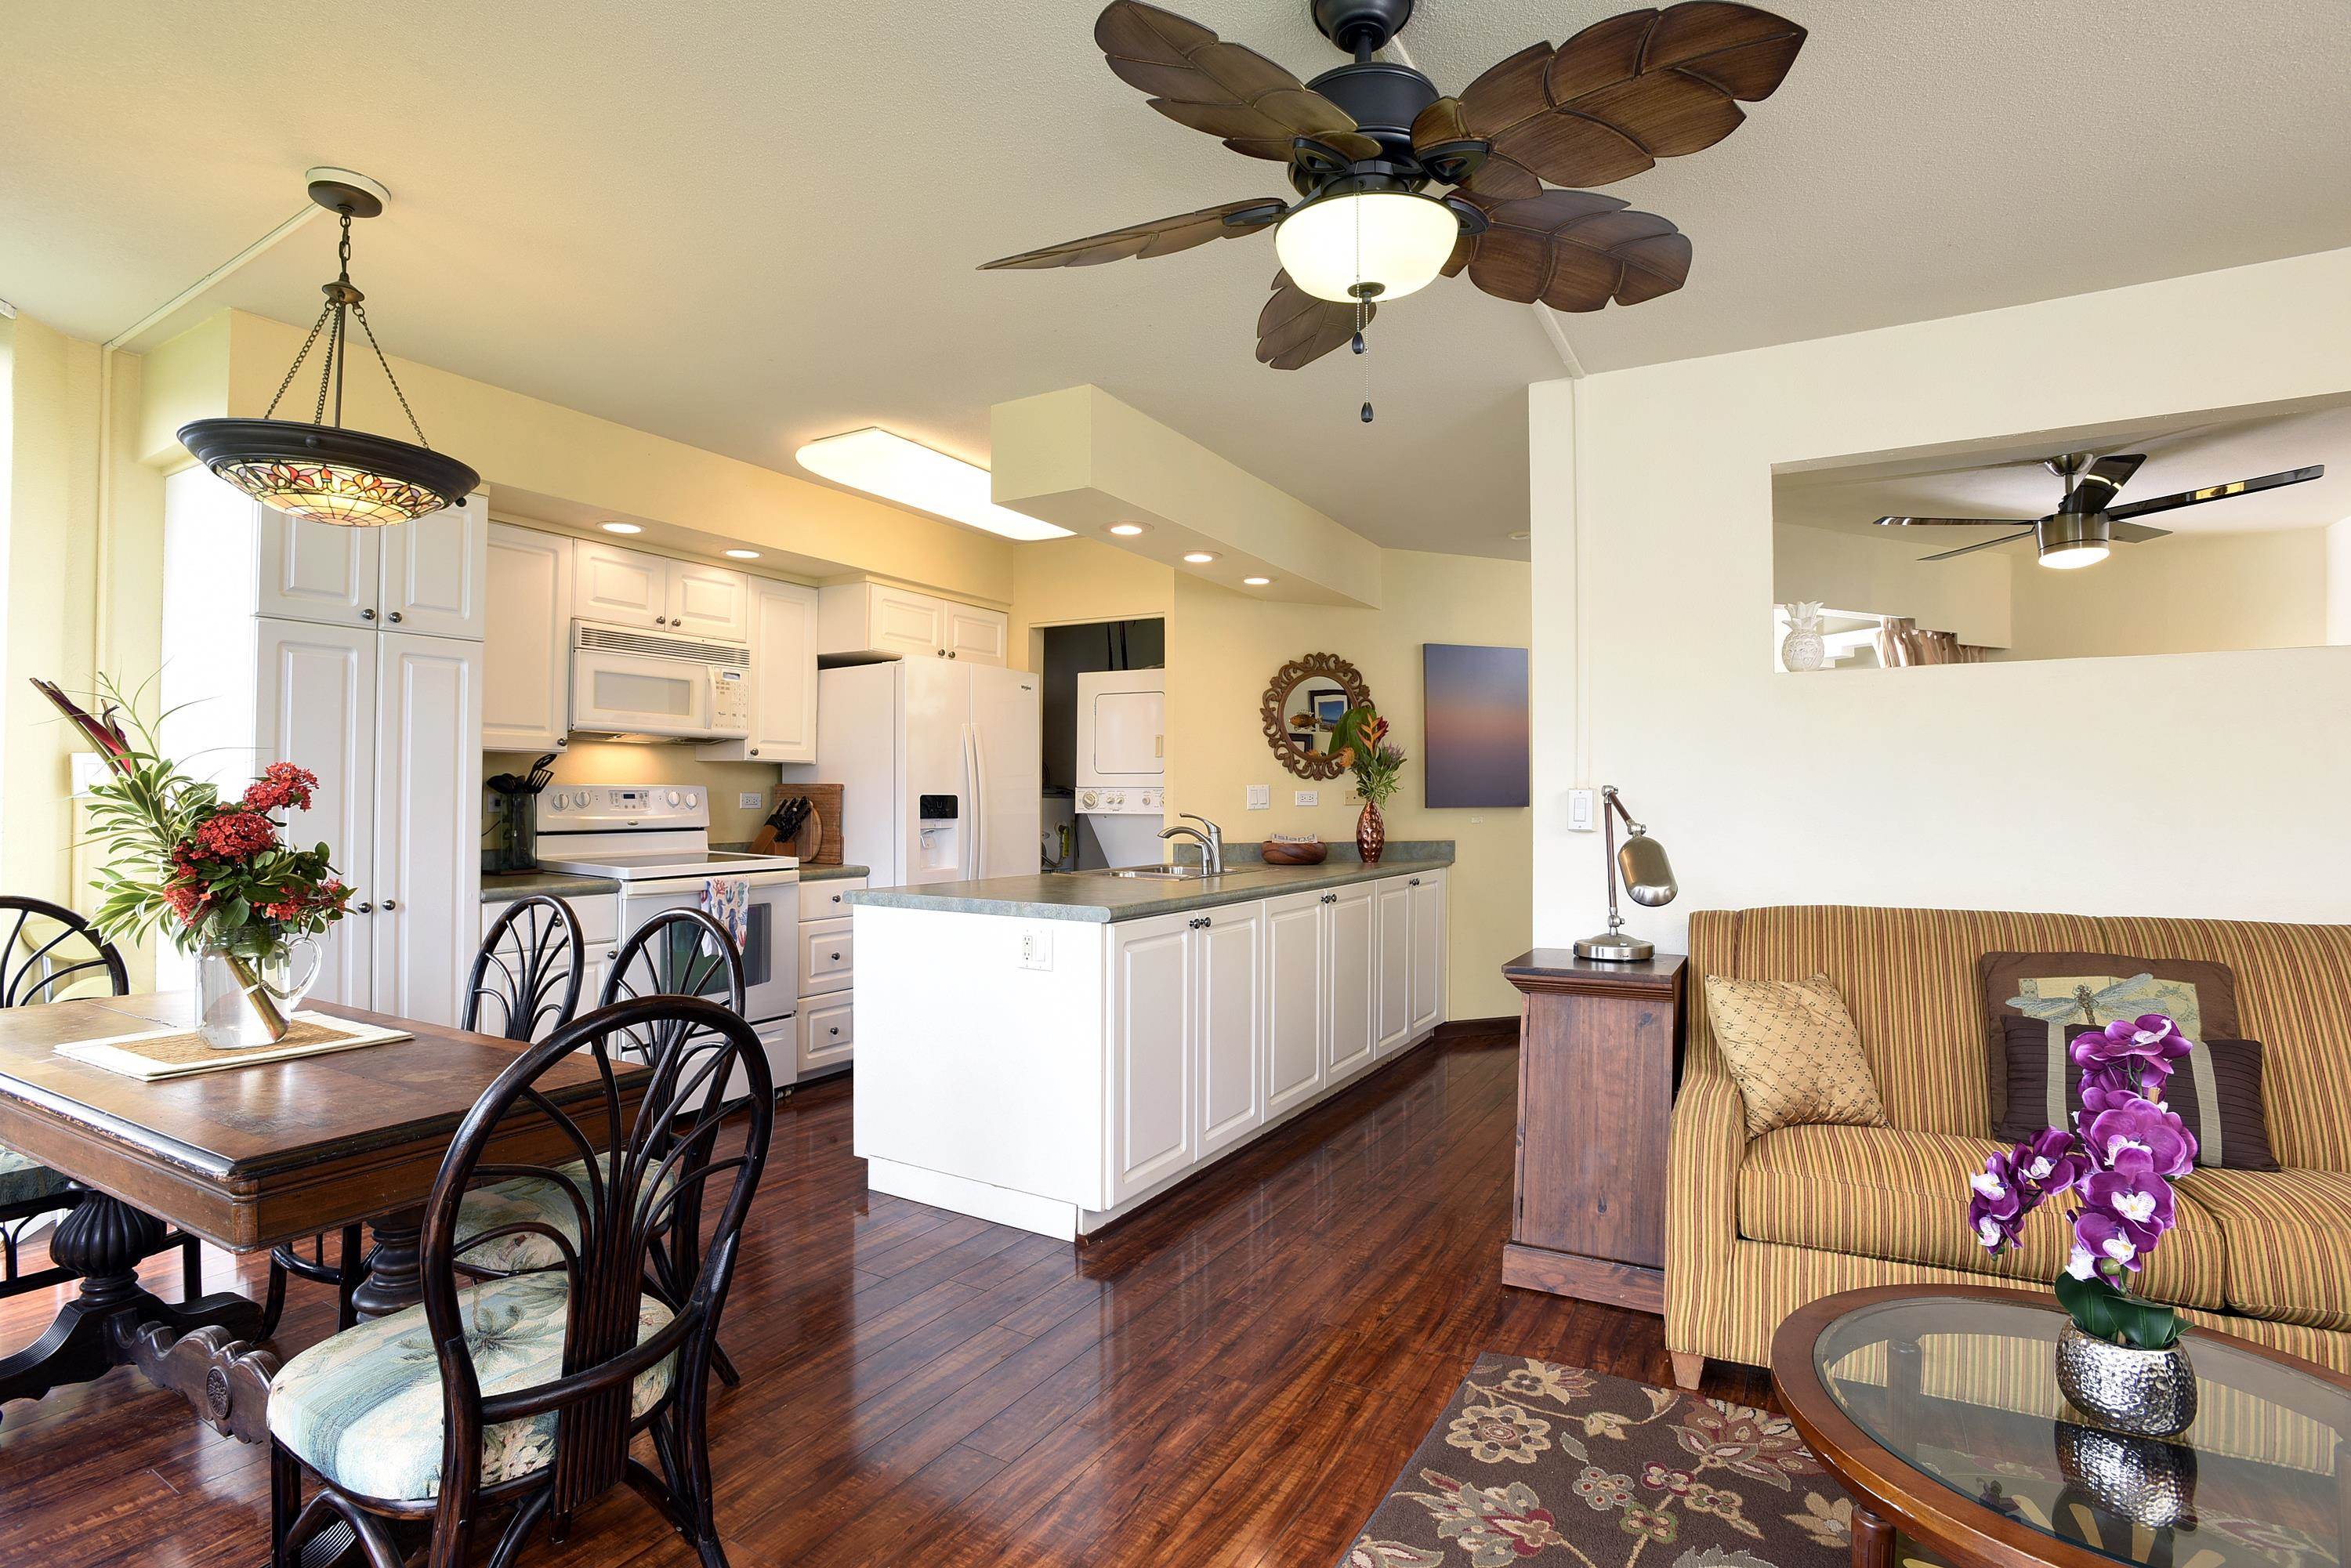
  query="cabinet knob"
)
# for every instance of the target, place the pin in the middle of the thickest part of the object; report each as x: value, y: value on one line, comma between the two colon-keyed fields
x: 755, y: 751
x: 610, y: 952
x: 394, y: 616
x: 836, y: 898
x: 367, y: 614
x: 364, y: 908
x: 1329, y: 898
x: 389, y: 905
x: 836, y: 957
x: 951, y: 653
x: 1414, y: 882
x: 835, y: 1030
x: 561, y: 741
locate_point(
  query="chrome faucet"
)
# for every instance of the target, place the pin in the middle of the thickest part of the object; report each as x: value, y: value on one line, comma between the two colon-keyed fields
x: 1212, y: 841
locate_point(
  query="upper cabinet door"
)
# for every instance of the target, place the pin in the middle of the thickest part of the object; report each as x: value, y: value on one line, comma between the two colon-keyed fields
x: 435, y: 571
x: 900, y: 621
x: 608, y: 583
x: 709, y: 601
x: 315, y: 571
x: 783, y: 662
x: 527, y: 684
x: 976, y: 636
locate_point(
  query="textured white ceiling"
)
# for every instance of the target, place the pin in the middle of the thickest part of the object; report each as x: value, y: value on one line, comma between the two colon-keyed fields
x: 744, y: 224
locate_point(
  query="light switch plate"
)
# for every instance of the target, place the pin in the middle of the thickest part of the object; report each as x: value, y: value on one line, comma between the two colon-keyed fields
x: 1035, y: 947
x: 1582, y: 814
x: 1260, y: 797
x: 750, y: 799
x: 1306, y: 797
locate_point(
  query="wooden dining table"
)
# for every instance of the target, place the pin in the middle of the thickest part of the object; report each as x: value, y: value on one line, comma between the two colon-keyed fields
x: 246, y: 1158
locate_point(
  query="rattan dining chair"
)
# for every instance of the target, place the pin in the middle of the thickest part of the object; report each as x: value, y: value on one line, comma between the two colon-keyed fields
x: 525, y: 982
x: 525, y: 1389
x: 50, y: 954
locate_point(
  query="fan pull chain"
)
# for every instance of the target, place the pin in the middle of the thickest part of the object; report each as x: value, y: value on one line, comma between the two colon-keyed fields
x: 1358, y: 344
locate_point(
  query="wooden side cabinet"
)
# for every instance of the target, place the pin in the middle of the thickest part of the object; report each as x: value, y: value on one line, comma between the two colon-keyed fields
x: 1597, y: 1048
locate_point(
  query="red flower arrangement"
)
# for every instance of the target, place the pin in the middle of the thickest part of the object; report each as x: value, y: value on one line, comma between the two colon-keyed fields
x: 213, y: 874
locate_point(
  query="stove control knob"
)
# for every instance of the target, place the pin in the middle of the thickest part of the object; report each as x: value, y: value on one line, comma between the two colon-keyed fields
x: 691, y: 799
x: 1086, y: 800
x: 673, y: 797
x: 560, y: 798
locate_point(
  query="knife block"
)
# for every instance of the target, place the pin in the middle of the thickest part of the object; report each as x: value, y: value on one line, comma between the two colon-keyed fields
x: 824, y: 847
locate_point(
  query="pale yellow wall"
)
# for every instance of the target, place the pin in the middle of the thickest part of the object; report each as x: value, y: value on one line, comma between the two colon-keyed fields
x: 1961, y: 785
x: 525, y: 444
x: 1885, y: 576
x: 2338, y: 583
x: 2188, y: 593
x: 1058, y: 582
x: 1222, y: 649
x: 615, y: 762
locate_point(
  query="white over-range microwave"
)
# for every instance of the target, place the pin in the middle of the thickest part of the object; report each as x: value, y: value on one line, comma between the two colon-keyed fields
x: 628, y: 685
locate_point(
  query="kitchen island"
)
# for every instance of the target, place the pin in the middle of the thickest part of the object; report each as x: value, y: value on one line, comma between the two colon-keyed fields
x: 1052, y: 1051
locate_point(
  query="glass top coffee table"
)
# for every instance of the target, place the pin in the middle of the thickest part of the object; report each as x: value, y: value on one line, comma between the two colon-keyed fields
x: 1937, y: 1408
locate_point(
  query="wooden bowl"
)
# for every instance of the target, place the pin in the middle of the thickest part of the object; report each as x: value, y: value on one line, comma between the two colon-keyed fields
x: 1294, y: 855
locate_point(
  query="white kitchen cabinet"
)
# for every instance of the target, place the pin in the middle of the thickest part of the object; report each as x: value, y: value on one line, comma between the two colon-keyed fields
x: 1427, y: 894
x: 428, y: 716
x: 527, y: 673
x: 427, y: 576
x: 976, y: 636
x: 1153, y: 995
x: 783, y: 621
x: 827, y: 1035
x: 879, y: 621
x: 1351, y: 913
x: 827, y: 958
x: 1297, y: 999
x: 827, y: 1031
x: 1227, y: 953
x: 314, y: 705
x: 629, y: 588
x: 1391, y: 964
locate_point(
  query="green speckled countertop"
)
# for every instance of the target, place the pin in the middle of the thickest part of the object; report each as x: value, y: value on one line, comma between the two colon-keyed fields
x: 831, y: 872
x: 1099, y: 899
x: 503, y: 887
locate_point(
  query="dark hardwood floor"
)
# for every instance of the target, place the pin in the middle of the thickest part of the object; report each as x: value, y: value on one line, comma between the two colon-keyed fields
x: 1231, y: 1377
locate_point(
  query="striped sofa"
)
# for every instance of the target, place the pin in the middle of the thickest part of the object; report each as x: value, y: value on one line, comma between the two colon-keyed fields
x: 1757, y: 1228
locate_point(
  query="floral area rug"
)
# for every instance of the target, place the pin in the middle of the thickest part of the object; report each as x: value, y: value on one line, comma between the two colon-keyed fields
x: 1556, y: 1467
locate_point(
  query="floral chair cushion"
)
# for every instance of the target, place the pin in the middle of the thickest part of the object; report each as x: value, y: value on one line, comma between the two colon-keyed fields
x: 364, y: 1408
x: 23, y: 1180
x: 522, y: 1199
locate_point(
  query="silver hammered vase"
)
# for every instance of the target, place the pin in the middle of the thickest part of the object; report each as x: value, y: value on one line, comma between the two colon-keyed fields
x: 2151, y: 1393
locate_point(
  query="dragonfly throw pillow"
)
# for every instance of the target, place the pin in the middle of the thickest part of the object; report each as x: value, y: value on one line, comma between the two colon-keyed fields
x: 2070, y: 992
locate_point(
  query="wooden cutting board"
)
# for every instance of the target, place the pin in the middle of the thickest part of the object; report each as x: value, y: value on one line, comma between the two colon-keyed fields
x: 824, y: 847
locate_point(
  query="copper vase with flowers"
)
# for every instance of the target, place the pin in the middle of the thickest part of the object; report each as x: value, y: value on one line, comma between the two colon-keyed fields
x: 215, y: 874
x: 2119, y: 1359
x: 1360, y: 739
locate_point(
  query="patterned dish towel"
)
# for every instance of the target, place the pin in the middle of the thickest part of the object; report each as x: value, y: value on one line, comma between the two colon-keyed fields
x: 727, y: 900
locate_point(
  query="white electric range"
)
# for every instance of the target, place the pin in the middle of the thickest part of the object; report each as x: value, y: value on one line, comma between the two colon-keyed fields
x: 654, y: 840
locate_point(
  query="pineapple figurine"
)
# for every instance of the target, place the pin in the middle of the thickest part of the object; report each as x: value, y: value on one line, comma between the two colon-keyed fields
x: 1803, y: 648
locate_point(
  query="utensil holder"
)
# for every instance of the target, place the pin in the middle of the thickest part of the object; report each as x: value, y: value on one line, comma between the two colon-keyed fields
x: 514, y: 832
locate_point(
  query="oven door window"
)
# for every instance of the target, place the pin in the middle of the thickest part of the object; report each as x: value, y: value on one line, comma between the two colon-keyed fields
x: 709, y: 979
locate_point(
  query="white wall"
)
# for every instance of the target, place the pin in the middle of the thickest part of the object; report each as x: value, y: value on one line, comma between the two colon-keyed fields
x: 2179, y: 784
x: 2338, y: 583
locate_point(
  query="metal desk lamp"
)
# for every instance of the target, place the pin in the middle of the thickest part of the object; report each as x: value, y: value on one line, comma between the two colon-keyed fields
x: 1648, y: 881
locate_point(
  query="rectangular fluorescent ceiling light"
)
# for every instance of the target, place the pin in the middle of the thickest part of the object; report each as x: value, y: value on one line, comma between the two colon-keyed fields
x: 885, y: 464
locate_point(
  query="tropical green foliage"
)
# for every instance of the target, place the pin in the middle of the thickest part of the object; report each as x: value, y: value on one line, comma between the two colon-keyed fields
x: 1360, y: 740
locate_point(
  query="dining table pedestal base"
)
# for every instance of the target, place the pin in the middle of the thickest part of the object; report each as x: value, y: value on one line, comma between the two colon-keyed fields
x: 113, y: 1321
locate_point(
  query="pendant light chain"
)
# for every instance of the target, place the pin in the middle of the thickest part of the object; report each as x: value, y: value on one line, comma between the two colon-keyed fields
x: 1360, y: 313
x: 361, y: 311
x: 338, y: 348
x: 291, y: 370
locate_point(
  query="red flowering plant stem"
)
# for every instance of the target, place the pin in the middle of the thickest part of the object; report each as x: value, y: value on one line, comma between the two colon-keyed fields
x: 210, y: 873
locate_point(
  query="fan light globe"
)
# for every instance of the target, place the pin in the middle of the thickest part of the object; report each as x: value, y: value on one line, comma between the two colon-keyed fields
x: 2072, y: 557
x: 1404, y: 242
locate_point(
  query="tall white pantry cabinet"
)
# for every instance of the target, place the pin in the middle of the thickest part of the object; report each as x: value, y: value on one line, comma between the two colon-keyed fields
x: 356, y: 653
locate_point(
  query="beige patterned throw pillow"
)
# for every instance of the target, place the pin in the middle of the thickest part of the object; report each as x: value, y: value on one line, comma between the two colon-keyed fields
x: 1795, y: 1052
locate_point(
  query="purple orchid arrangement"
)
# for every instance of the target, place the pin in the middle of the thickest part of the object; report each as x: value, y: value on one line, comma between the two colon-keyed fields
x: 2116, y: 1162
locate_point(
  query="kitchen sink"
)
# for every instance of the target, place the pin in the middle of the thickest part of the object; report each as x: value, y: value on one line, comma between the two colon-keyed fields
x: 1151, y: 873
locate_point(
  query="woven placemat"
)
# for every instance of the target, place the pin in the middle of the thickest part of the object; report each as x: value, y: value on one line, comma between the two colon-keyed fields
x: 179, y: 1052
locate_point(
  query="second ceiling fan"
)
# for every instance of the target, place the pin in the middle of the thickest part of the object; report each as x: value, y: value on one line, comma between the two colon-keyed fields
x: 2084, y: 526
x: 1366, y: 142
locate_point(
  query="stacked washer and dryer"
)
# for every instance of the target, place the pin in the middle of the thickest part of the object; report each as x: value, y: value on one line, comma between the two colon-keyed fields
x: 1121, y: 765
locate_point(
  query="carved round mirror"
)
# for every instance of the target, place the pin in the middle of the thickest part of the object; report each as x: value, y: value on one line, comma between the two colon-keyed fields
x: 1302, y: 707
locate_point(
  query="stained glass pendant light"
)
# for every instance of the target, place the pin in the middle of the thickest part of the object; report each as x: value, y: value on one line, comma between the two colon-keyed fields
x: 321, y: 472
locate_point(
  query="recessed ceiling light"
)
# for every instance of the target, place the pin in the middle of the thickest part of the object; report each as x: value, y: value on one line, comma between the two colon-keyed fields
x: 1198, y: 557
x: 882, y: 463
x: 1128, y: 530
x: 1255, y: 581
x: 622, y: 528
x: 742, y: 555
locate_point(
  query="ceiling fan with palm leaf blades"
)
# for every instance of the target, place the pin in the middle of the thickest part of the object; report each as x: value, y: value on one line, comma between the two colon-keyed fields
x: 1367, y: 142
x: 2082, y: 528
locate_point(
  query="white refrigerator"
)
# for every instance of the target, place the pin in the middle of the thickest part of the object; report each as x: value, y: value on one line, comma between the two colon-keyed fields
x: 941, y: 767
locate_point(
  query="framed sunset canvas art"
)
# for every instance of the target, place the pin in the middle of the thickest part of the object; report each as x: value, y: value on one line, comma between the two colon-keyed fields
x: 1474, y: 709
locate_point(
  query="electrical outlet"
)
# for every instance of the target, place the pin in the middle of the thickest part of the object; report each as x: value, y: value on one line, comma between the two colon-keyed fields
x: 1306, y: 797
x: 751, y: 799
x: 1260, y: 797
x: 1583, y: 811
x: 1035, y: 947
